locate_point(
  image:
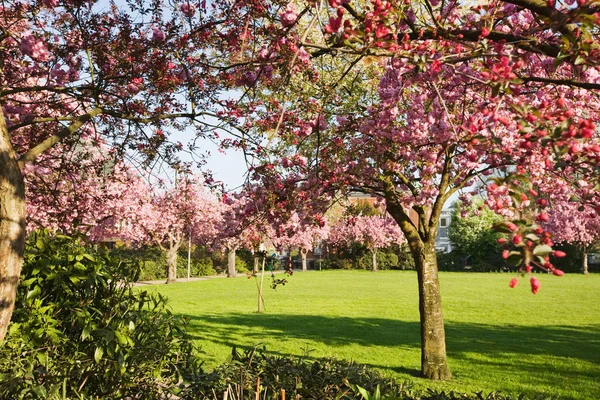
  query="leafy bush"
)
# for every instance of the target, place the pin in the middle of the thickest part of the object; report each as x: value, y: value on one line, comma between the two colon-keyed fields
x: 405, y: 259
x: 450, y: 261
x: 386, y: 259
x: 474, y: 240
x: 198, y: 266
x: 300, y: 378
x: 326, y: 378
x: 80, y: 331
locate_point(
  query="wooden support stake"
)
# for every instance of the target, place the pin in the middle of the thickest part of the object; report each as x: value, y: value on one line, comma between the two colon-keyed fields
x: 260, y: 288
x: 258, y: 388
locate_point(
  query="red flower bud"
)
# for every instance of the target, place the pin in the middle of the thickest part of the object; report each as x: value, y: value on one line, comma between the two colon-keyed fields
x: 517, y: 239
x: 501, y: 240
x: 558, y: 272
x: 535, y: 285
x: 505, y: 254
x: 543, y: 217
x: 511, y: 226
x: 513, y: 282
x: 528, y: 269
x: 558, y: 253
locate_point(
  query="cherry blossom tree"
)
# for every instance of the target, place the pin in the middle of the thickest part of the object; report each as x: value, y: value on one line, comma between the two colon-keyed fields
x: 242, y: 226
x: 125, y: 76
x: 580, y: 227
x: 375, y: 232
x: 303, y: 235
x: 464, y: 91
x: 171, y: 217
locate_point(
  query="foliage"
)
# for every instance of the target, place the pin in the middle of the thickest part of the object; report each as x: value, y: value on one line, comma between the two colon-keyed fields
x: 473, y: 238
x: 361, y: 207
x: 312, y: 379
x: 80, y: 331
x: 152, y: 266
x: 386, y: 259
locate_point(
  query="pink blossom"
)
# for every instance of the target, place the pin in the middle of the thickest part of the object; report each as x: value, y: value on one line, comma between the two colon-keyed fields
x: 157, y: 34
x: 289, y: 15
x: 34, y: 48
x: 188, y: 9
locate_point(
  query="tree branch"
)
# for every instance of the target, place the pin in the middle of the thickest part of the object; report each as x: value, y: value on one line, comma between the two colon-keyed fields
x: 32, y: 153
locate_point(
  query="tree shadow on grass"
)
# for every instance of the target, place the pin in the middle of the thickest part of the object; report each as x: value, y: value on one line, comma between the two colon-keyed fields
x: 513, y: 350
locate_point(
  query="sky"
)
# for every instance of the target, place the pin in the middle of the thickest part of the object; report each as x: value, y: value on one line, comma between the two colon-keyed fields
x: 229, y: 167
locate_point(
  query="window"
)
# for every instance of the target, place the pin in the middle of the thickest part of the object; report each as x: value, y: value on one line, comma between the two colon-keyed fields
x: 443, y: 222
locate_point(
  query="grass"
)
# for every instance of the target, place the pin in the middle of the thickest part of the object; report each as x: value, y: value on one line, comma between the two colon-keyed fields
x: 497, y: 338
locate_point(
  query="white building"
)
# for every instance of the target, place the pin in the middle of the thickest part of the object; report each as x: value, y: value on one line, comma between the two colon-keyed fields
x: 442, y: 240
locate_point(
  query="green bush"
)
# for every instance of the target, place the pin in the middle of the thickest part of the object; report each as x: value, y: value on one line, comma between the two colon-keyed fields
x: 80, y: 331
x: 386, y: 259
x: 405, y: 258
x: 198, y: 266
x: 473, y: 239
x: 240, y: 265
x: 300, y: 378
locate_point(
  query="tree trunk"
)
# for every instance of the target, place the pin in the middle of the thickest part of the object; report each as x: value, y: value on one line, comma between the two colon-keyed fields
x: 374, y: 264
x: 433, y: 336
x: 12, y: 226
x: 231, y: 272
x: 303, y: 253
x: 584, y: 264
x: 171, y: 257
x: 255, y: 269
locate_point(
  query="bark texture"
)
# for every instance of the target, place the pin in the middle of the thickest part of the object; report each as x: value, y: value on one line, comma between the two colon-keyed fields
x: 584, y: 263
x: 374, y: 263
x: 303, y: 253
x: 12, y: 226
x: 420, y: 236
x: 231, y: 272
x: 434, y: 364
x: 171, y: 257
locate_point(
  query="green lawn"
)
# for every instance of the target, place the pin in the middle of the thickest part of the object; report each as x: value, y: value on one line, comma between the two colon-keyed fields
x: 498, y: 338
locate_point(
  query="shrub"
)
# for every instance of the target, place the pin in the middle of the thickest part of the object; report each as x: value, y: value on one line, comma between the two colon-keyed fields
x: 80, y: 331
x: 300, y: 378
x: 405, y: 259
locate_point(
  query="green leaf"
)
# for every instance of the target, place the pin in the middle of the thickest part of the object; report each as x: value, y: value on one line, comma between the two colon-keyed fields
x: 515, y: 258
x: 502, y: 227
x: 85, y: 333
x: 121, y: 338
x: 542, y: 250
x: 98, y: 354
x: 33, y: 293
x: 40, y: 391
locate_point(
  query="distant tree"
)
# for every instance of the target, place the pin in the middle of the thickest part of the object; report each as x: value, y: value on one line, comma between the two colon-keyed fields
x: 299, y: 233
x: 577, y: 225
x: 472, y: 235
x: 187, y: 211
x: 374, y: 232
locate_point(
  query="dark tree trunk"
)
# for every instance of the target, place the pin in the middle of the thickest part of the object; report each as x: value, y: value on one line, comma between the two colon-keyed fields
x: 303, y: 253
x: 171, y: 257
x: 374, y: 257
x: 434, y: 364
x: 12, y: 226
x: 231, y: 271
